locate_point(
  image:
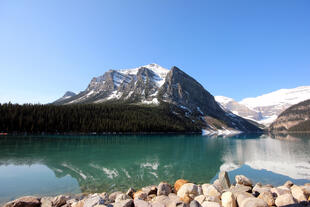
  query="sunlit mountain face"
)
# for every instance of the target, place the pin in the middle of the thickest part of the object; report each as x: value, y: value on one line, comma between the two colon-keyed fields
x: 71, y: 164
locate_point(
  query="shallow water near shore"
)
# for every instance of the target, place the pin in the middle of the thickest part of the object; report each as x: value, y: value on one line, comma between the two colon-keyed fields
x: 51, y: 165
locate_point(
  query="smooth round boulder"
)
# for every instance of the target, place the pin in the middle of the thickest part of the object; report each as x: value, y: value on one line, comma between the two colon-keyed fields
x: 267, y: 197
x: 284, y: 200
x: 228, y: 199
x: 211, y: 190
x: 163, y: 189
x: 242, y: 180
x: 178, y: 184
x: 188, y: 191
x: 253, y: 202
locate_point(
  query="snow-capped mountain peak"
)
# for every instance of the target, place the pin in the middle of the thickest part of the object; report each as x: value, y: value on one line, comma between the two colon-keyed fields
x: 223, y: 99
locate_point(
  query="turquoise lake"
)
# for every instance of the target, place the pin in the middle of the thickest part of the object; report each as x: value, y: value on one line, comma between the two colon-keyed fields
x: 50, y: 165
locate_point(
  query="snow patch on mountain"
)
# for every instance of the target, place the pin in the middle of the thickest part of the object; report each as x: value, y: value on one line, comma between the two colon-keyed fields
x: 282, y: 97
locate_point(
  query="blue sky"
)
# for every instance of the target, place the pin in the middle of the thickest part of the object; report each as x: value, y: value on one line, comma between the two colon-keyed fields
x: 236, y: 48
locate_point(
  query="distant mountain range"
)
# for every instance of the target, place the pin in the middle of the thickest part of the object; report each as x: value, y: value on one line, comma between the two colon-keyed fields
x: 152, y: 85
x: 265, y: 109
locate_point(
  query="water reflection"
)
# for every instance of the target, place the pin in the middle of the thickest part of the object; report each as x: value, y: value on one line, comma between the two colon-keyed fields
x: 108, y: 163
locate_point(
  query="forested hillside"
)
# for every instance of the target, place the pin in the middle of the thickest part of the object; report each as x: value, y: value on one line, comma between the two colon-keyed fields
x: 101, y: 118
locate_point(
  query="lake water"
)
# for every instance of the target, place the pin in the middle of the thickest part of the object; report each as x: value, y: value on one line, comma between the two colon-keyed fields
x: 50, y: 165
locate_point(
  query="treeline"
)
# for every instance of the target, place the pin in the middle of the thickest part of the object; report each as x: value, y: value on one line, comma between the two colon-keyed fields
x: 88, y: 118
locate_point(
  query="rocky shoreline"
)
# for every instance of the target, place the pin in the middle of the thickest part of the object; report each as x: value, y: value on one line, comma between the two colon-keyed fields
x: 243, y: 193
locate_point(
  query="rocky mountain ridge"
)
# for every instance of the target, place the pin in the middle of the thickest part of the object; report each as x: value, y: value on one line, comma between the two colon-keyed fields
x: 153, y: 84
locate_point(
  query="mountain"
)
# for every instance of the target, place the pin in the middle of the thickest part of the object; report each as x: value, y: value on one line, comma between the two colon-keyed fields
x: 153, y: 85
x: 296, y: 118
x: 265, y: 108
x: 67, y: 95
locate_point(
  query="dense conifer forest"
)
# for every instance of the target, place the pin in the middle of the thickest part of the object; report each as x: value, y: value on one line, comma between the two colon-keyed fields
x: 88, y: 118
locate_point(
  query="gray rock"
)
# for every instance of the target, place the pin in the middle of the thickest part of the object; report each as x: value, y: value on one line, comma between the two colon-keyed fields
x: 224, y: 180
x: 242, y: 180
x: 124, y: 203
x: 194, y: 203
x: 93, y: 200
x: 163, y: 189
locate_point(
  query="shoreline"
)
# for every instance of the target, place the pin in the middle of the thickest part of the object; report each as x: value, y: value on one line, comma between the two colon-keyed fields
x: 221, y: 193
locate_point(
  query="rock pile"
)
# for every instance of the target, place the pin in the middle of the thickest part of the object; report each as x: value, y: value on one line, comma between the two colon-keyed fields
x: 185, y: 194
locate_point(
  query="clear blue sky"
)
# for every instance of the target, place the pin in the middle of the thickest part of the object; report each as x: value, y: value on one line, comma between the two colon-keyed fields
x: 236, y: 48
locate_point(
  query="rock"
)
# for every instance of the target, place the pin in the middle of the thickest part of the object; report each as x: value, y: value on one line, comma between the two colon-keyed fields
x: 157, y: 204
x: 104, y: 196
x: 130, y: 192
x: 188, y: 191
x: 59, y: 201
x: 122, y: 197
x: 194, y: 203
x: 163, y: 189
x: 93, y: 200
x: 298, y: 193
x: 150, y: 197
x: 124, y: 203
x: 141, y: 203
x: 163, y: 199
x: 149, y: 190
x: 288, y: 184
x: 200, y: 199
x: 228, y: 200
x: 46, y: 201
x: 267, y: 197
x: 140, y: 195
x: 306, y: 190
x: 78, y: 204
x: 224, y: 180
x: 260, y: 189
x: 211, y: 191
x: 253, y: 202
x: 26, y: 201
x: 242, y: 180
x: 242, y: 196
x: 279, y: 191
x: 205, y: 187
x: 240, y: 189
x: 210, y: 204
x: 174, y: 198
x: 199, y: 190
x: 113, y: 196
x: 285, y: 199
x: 178, y: 184
x: 217, y: 185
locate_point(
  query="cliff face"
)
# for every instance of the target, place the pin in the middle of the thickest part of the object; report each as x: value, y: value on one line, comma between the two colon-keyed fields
x: 295, y: 118
x: 153, y: 84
